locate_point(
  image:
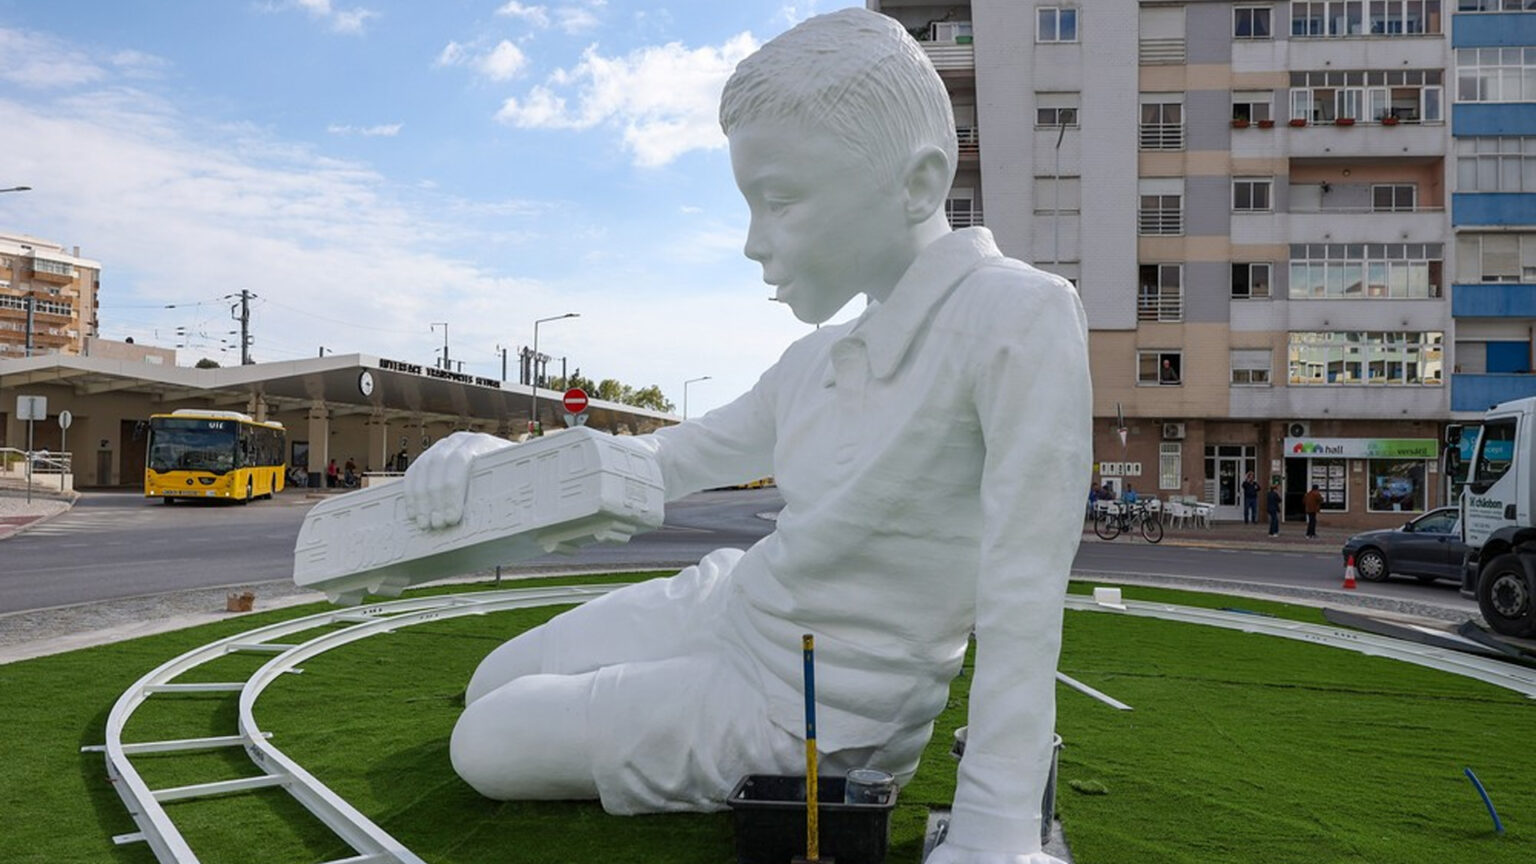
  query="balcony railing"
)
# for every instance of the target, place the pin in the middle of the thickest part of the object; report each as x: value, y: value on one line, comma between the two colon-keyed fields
x: 1160, y: 222
x: 969, y: 141
x: 1160, y: 307
x: 1162, y: 52
x: 965, y: 218
x: 1162, y: 136
x: 950, y: 56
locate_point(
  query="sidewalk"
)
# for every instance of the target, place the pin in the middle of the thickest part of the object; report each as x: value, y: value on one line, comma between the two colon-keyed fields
x: 1236, y: 535
x: 17, y: 514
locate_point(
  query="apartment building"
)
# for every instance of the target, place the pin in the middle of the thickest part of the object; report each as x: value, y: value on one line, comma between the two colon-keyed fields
x: 1493, y: 207
x: 1251, y: 198
x: 47, y: 297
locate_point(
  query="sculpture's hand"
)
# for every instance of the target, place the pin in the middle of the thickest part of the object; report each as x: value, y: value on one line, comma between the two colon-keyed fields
x: 949, y: 853
x: 437, y: 483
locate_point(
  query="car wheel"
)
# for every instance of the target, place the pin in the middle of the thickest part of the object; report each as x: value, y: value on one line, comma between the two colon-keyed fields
x: 1371, y: 564
x: 1505, y: 592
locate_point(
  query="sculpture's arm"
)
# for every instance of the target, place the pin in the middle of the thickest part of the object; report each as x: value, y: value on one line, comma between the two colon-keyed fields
x: 731, y: 444
x: 1033, y: 398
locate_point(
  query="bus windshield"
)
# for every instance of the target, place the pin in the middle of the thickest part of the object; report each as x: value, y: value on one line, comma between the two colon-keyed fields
x: 178, y: 444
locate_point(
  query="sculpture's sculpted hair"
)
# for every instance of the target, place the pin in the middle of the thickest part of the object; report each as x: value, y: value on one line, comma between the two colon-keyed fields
x: 854, y: 73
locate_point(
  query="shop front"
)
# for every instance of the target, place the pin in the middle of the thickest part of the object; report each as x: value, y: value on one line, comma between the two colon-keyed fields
x: 1365, y: 482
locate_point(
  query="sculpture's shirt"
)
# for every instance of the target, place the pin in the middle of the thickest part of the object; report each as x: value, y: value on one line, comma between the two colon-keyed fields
x: 931, y: 455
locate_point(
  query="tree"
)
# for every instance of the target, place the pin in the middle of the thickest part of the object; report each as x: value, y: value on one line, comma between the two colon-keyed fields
x: 207, y: 363
x: 651, y: 397
x: 613, y: 390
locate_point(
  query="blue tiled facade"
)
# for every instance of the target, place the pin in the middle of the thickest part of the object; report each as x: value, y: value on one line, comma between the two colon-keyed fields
x: 1488, y: 315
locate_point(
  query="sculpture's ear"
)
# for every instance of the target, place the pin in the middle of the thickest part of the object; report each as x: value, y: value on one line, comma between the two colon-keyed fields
x: 927, y: 181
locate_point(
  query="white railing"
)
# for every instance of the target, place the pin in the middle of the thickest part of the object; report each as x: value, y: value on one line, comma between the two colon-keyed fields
x: 1162, y: 136
x: 1160, y: 222
x: 947, y: 56
x: 1159, y: 52
x: 968, y: 140
x: 1160, y: 307
x: 53, y: 471
x: 966, y: 218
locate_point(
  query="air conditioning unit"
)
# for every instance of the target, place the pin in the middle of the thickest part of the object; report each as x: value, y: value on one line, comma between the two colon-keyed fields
x: 1298, y: 429
x: 1173, y: 431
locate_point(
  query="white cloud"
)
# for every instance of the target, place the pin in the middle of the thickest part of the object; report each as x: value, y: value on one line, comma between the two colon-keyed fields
x: 503, y: 62
x: 664, y: 98
x: 577, y: 19
x: 382, y: 130
x: 348, y: 21
x: 41, y: 61
x: 794, y: 13
x: 536, y: 15
x: 452, y: 55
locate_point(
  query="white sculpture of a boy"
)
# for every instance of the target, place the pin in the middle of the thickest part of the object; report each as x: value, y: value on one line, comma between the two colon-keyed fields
x: 931, y: 455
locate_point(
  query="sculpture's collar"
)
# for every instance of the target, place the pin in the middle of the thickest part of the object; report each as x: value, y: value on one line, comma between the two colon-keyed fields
x: 887, y: 329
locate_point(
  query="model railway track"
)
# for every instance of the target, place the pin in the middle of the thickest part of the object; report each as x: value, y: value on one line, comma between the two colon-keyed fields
x: 373, y: 845
x: 370, y: 842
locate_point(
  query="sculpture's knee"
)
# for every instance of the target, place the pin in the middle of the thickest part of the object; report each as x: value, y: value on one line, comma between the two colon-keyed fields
x: 527, y: 740
x: 513, y: 659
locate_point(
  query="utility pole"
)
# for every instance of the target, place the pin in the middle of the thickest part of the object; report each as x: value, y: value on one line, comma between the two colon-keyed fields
x: 244, y: 317
x: 444, y: 325
x: 503, y: 351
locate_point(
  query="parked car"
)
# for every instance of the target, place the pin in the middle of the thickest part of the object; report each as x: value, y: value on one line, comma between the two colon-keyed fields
x: 1427, y: 548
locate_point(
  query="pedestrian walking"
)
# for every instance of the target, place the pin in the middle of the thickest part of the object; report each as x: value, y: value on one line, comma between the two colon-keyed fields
x: 1250, y: 500
x: 1272, y: 501
x: 1312, y: 502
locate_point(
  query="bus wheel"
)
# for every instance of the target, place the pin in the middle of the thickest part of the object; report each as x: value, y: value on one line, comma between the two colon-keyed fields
x: 168, y: 500
x: 250, y: 489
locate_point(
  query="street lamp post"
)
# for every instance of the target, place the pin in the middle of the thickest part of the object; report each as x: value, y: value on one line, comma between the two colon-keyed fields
x: 533, y: 405
x: 685, y: 392
x: 444, y: 325
x: 17, y: 189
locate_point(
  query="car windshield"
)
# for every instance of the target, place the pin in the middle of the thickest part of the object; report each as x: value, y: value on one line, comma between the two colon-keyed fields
x: 192, y: 445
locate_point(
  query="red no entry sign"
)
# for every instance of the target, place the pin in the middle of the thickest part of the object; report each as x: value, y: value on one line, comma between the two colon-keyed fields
x: 575, y: 400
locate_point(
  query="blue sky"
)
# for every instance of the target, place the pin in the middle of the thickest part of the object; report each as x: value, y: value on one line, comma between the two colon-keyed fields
x: 370, y: 167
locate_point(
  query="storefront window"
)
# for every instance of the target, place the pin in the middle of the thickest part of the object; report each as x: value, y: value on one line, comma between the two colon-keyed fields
x: 1396, y: 485
x: 1331, y: 478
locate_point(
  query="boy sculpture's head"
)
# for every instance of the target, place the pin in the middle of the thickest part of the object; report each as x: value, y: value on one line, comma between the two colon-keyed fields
x: 843, y: 143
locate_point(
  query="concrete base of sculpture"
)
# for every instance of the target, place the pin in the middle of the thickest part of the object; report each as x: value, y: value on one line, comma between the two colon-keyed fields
x: 550, y: 494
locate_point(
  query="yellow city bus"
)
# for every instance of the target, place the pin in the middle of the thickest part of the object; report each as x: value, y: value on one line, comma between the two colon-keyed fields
x: 213, y: 454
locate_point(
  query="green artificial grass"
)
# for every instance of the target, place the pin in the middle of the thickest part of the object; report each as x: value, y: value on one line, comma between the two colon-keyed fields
x: 1242, y: 748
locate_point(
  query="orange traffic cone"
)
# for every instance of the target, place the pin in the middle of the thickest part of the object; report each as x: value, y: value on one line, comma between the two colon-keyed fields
x: 1349, y: 573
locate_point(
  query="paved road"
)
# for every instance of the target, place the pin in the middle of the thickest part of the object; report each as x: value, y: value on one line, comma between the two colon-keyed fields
x: 116, y: 545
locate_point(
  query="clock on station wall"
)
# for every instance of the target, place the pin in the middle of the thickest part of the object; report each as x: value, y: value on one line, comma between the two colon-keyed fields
x: 365, y: 383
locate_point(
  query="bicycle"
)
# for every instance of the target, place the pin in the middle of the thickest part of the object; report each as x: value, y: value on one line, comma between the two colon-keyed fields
x: 1118, y: 519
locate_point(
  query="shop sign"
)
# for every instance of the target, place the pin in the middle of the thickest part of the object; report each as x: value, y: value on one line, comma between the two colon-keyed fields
x: 1119, y: 469
x: 1362, y: 448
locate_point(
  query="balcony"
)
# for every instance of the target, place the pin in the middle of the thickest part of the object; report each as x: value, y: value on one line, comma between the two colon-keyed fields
x: 964, y: 217
x: 1365, y: 225
x: 1332, y: 140
x: 56, y: 272
x: 951, y: 56
x: 1493, y: 300
x: 1479, y: 392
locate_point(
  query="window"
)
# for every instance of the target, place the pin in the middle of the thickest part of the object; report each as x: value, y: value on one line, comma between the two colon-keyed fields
x: 1251, y: 281
x: 1404, y: 95
x: 1495, y: 452
x: 1162, y: 121
x: 1161, y: 293
x: 1396, y: 486
x: 1394, y: 197
x: 1058, y: 194
x: 1496, y: 257
x: 1496, y: 74
x: 950, y: 31
x: 1349, y: 18
x: 1251, y: 194
x: 1374, y: 358
x: 1162, y: 206
x: 1250, y: 367
x: 1329, y: 476
x: 1251, y: 22
x: 1170, y: 465
x: 1159, y: 368
x: 1056, y: 24
x: 1496, y: 164
x: 1056, y: 109
x: 1254, y: 106
x: 1354, y: 271
x: 1496, y: 5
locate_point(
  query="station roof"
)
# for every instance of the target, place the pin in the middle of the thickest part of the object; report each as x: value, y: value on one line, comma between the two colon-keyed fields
x: 400, y: 390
